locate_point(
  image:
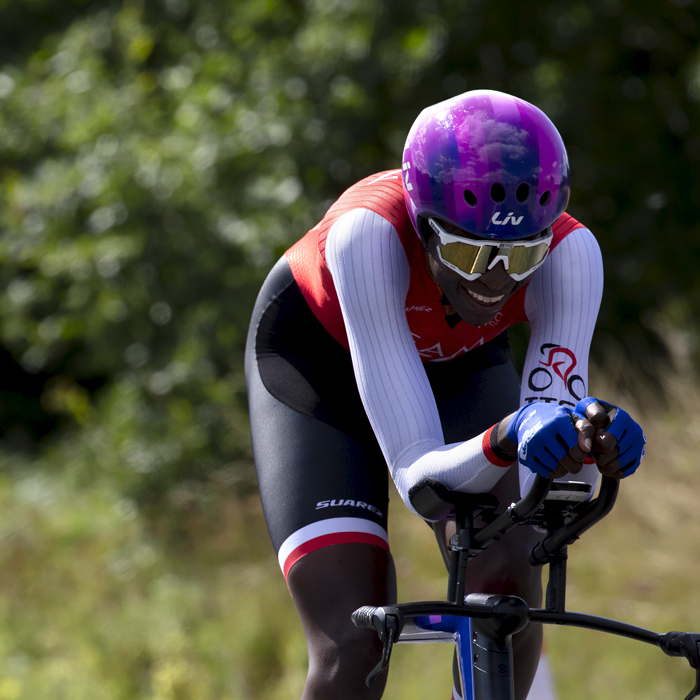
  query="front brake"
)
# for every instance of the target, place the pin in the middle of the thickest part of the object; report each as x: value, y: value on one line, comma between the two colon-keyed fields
x: 387, y: 622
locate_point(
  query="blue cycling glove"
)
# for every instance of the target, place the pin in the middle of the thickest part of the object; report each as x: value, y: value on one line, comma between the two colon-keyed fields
x: 544, y: 433
x: 631, y: 440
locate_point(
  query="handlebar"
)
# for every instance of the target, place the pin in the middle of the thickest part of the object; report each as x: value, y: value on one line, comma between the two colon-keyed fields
x: 432, y: 500
x: 516, y: 513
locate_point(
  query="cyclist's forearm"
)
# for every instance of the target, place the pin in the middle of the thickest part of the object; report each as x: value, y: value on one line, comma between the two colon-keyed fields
x: 472, y: 466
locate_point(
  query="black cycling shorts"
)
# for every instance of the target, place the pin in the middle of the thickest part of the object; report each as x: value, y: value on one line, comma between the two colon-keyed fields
x: 322, y: 477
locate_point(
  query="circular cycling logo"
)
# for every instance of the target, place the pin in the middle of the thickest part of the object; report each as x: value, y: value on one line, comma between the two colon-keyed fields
x: 558, y: 364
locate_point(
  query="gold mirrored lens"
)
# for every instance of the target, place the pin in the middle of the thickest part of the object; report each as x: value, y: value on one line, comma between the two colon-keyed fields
x: 468, y: 258
x: 475, y: 259
x: 522, y: 259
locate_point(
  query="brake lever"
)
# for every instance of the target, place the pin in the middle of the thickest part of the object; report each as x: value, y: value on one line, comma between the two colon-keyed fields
x: 387, y: 622
x: 686, y: 644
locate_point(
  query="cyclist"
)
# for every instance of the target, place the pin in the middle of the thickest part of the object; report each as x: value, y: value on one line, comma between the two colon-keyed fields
x: 380, y: 339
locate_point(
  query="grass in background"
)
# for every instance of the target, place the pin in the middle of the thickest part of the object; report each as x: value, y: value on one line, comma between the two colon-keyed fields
x: 99, y: 600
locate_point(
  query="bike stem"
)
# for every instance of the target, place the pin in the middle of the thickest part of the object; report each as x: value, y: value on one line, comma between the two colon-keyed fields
x: 492, y: 644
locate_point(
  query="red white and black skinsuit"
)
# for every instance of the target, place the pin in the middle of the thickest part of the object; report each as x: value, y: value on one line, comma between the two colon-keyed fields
x: 356, y: 361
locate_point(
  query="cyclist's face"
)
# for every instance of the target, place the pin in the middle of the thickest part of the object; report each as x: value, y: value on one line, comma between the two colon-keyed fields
x: 478, y: 301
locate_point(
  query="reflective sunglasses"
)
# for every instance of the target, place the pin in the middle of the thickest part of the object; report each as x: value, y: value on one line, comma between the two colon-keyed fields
x: 471, y: 258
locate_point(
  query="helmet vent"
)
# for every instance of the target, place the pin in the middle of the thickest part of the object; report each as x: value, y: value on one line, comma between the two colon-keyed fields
x: 498, y: 192
x: 470, y: 198
x: 544, y: 198
x: 522, y: 193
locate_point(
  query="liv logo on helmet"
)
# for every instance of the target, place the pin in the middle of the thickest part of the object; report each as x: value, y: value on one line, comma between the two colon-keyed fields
x: 515, y: 220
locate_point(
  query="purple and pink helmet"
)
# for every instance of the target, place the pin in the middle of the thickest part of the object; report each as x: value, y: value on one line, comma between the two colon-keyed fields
x: 490, y: 163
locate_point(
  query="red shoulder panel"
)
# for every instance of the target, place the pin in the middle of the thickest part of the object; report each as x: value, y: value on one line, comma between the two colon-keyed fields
x: 435, y: 338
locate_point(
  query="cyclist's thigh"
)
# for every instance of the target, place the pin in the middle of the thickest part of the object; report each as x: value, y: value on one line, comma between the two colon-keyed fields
x: 321, y: 474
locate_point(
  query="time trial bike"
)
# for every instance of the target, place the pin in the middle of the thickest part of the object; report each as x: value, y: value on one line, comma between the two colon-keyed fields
x: 481, y: 625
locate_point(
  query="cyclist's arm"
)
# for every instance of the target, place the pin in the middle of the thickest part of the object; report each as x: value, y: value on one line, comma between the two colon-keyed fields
x: 371, y: 275
x: 561, y: 303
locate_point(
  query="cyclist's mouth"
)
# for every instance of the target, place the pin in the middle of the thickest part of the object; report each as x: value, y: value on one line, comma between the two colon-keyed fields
x: 484, y: 299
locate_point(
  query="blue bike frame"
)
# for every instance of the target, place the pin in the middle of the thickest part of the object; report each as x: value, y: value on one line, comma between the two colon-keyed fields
x: 448, y: 628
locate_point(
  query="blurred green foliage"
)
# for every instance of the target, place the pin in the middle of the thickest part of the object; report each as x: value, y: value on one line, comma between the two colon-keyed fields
x: 157, y: 157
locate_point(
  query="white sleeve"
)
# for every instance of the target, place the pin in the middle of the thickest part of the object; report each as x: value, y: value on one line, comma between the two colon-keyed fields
x: 371, y: 276
x: 561, y: 304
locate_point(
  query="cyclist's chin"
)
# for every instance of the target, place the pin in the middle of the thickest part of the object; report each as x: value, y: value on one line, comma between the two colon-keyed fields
x: 476, y: 309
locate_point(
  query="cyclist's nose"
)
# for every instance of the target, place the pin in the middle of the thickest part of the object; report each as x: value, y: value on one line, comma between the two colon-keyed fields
x: 496, y: 278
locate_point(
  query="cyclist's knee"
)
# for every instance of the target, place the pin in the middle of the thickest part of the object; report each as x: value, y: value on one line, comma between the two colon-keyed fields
x: 327, y: 586
x: 504, y: 568
x: 338, y: 666
x: 509, y: 580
